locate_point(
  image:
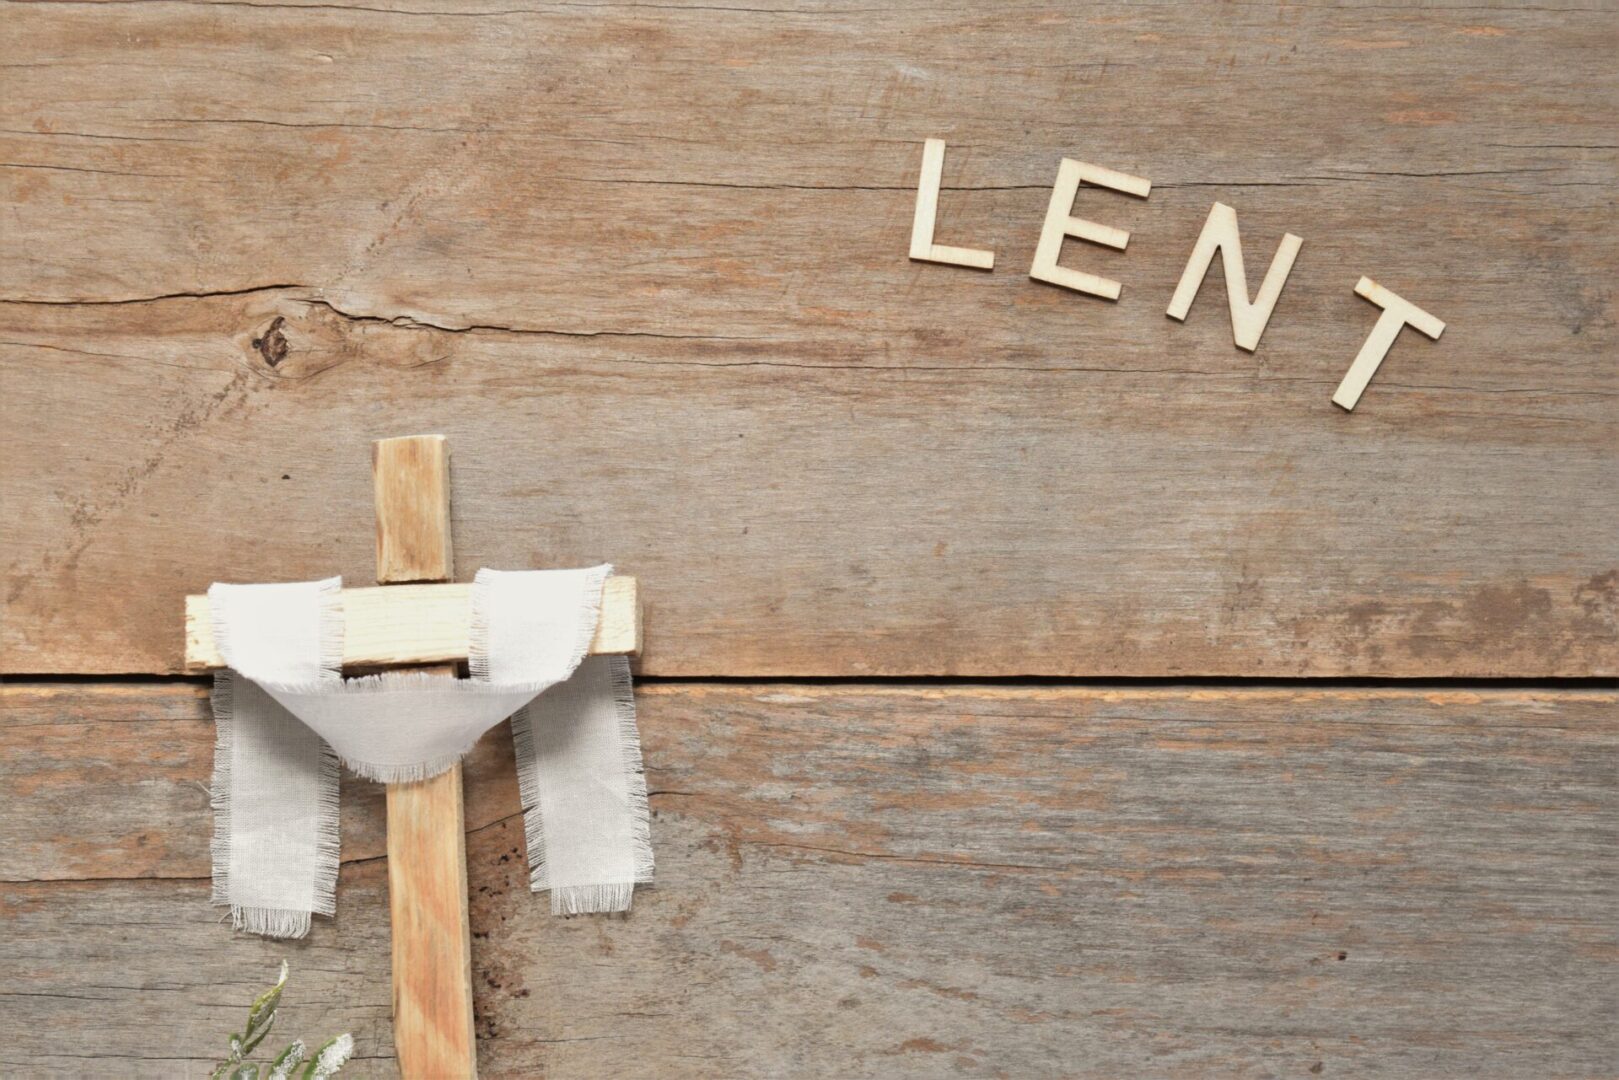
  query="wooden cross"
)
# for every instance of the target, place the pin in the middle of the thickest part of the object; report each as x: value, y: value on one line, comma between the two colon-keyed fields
x: 426, y: 626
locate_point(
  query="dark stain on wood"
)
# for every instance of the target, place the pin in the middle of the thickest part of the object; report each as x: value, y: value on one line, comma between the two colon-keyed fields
x: 272, y: 344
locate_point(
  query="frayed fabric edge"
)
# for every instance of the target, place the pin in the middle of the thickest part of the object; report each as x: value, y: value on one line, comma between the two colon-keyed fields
x: 597, y: 581
x: 328, y: 852
x: 332, y: 630
x: 592, y: 899
x: 606, y: 897
x: 629, y: 735
x: 270, y: 922
x: 528, y: 794
x: 223, y: 701
x: 279, y: 922
x: 478, y: 630
x: 407, y: 774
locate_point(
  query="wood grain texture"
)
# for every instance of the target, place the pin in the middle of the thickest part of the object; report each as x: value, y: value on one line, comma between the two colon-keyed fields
x: 417, y: 624
x: 430, y: 946
x: 430, y: 936
x: 647, y: 267
x: 894, y: 882
x: 410, y: 480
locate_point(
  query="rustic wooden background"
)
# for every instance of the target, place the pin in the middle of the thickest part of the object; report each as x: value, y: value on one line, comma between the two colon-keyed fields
x: 644, y: 264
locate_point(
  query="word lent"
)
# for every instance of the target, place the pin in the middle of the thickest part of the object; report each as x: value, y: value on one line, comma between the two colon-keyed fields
x: 1249, y: 317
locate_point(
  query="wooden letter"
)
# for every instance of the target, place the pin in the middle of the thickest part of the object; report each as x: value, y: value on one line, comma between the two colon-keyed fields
x: 1397, y: 313
x: 1061, y: 223
x: 1247, y: 319
x: 923, y: 249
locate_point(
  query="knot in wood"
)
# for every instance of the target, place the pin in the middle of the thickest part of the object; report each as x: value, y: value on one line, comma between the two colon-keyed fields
x: 272, y: 345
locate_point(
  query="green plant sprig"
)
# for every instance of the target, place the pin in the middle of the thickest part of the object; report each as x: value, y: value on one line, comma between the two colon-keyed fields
x: 331, y: 1057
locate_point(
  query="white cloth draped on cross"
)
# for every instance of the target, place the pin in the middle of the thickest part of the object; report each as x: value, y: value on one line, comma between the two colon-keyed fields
x: 286, y: 717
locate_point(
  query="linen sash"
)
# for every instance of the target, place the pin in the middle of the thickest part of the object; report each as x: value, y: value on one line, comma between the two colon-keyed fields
x: 286, y: 717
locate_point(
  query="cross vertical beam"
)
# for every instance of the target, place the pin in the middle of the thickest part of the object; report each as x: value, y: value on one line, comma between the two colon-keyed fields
x: 427, y: 857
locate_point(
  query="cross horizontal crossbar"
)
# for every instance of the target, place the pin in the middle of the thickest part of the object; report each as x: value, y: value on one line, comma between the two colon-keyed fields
x: 422, y: 624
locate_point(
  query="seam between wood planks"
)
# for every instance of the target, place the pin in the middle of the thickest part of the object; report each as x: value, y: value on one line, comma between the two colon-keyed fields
x: 1075, y: 682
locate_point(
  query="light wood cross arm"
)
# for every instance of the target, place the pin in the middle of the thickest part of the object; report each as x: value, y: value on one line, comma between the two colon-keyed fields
x: 422, y: 624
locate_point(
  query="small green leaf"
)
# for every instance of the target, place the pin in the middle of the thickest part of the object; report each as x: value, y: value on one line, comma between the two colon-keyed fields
x: 263, y: 1007
x: 222, y: 1070
x: 253, y: 1043
x: 330, y: 1058
x: 261, y: 1016
x: 291, y: 1057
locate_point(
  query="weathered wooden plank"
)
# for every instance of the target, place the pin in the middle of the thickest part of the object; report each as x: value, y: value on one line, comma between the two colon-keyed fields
x: 137, y: 760
x: 431, y: 940
x: 817, y: 522
x: 418, y: 624
x: 824, y: 457
x: 897, y: 882
x: 669, y: 164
